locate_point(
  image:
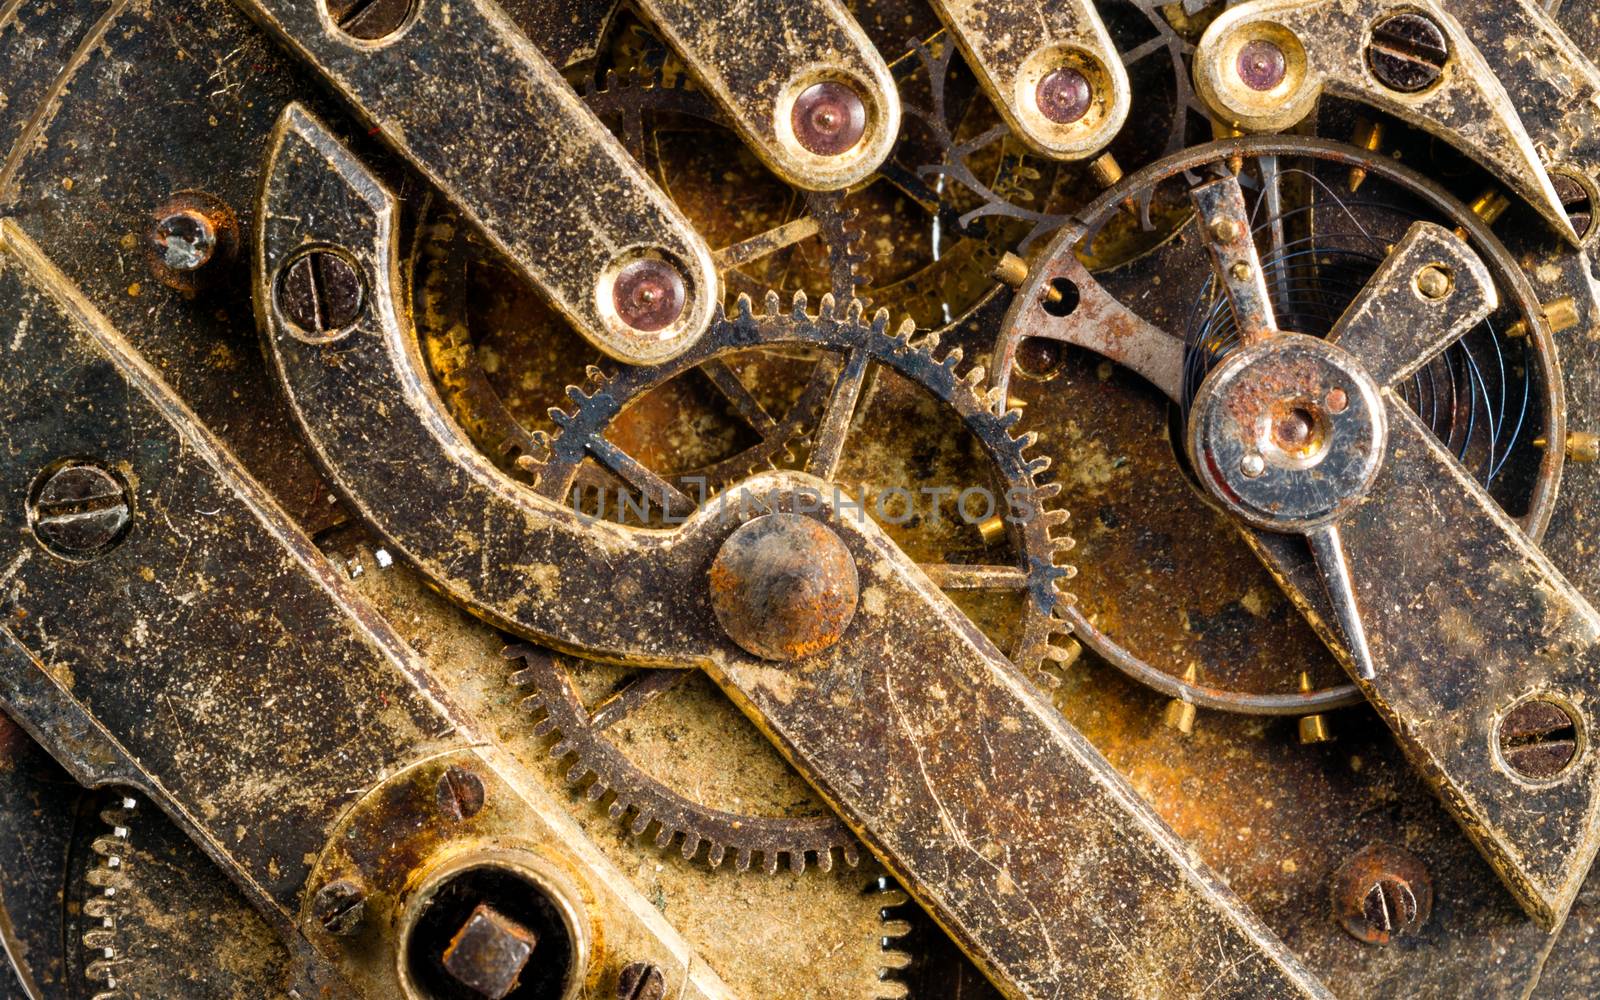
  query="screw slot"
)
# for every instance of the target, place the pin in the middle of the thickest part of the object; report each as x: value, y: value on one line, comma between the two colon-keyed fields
x: 79, y: 510
x: 322, y: 293
x: 1408, y: 52
x: 1538, y: 739
x: 371, y: 20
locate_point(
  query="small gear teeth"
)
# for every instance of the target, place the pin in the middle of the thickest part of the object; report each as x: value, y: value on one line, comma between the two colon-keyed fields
x: 108, y: 877
x: 893, y: 959
x: 649, y: 814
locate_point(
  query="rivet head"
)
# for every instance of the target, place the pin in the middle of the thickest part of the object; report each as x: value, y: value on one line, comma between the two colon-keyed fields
x: 1064, y: 95
x: 321, y: 293
x: 1433, y: 282
x: 1262, y: 64
x: 1253, y: 465
x: 829, y: 118
x: 649, y: 294
x: 80, y: 510
x: 784, y: 586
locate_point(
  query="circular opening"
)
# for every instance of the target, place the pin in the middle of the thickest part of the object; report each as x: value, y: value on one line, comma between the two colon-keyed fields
x: 1296, y: 433
x: 645, y: 298
x: 1062, y: 298
x: 1039, y: 358
x: 523, y: 909
x: 1538, y: 739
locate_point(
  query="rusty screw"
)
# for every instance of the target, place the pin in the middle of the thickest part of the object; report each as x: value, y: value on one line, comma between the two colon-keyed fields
x: 1538, y: 739
x: 190, y: 235
x: 489, y: 953
x: 340, y: 907
x: 1575, y: 199
x: 81, y: 510
x: 370, y: 20
x: 641, y: 981
x: 321, y: 292
x: 784, y: 586
x: 829, y: 118
x: 185, y: 239
x: 1382, y: 893
x: 1408, y: 52
x: 648, y: 294
x: 1262, y: 64
x: 1064, y: 95
x: 459, y: 794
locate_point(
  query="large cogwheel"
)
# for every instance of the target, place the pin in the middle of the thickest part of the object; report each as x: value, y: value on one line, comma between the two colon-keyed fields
x: 462, y: 291
x: 856, y: 360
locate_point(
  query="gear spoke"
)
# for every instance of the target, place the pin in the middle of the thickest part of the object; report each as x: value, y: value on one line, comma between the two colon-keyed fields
x: 767, y: 243
x: 640, y: 691
x: 675, y: 502
x: 829, y: 446
x: 1224, y: 224
x: 744, y: 403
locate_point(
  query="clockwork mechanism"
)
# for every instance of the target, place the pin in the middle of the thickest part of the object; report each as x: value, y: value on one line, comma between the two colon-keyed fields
x: 818, y: 500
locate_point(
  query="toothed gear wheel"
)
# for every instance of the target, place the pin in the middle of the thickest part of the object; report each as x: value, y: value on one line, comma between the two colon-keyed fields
x: 447, y: 251
x: 1034, y: 531
x: 144, y: 904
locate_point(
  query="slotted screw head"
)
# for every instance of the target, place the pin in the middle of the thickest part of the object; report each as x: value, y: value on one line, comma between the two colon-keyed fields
x: 1408, y: 52
x: 1262, y: 64
x: 1382, y: 893
x: 340, y: 907
x: 829, y: 118
x: 459, y: 794
x: 649, y: 294
x: 1575, y: 199
x: 370, y: 20
x: 1064, y: 95
x: 641, y: 981
x: 80, y: 510
x: 1538, y: 739
x: 321, y: 293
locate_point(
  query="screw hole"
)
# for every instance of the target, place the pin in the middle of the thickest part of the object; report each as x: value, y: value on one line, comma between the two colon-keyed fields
x: 1065, y: 300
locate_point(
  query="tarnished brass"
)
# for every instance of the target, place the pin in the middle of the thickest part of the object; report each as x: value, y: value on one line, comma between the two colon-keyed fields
x: 759, y: 59
x: 209, y: 769
x: 1323, y: 44
x: 1072, y: 810
x: 1031, y: 55
x: 570, y: 209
